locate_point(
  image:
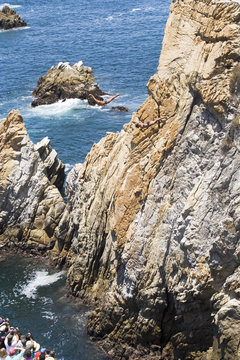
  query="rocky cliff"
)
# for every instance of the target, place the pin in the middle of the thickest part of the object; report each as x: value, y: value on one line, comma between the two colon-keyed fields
x: 151, y: 230
x: 30, y: 203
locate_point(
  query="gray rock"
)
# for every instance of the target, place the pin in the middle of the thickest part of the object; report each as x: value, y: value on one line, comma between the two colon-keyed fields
x: 151, y: 230
x: 53, y: 166
x: 30, y: 206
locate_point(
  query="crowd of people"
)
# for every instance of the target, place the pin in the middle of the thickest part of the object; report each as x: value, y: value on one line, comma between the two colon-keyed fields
x: 16, y: 346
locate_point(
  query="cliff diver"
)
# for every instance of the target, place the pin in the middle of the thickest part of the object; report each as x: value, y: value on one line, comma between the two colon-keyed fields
x: 105, y: 101
x: 142, y: 125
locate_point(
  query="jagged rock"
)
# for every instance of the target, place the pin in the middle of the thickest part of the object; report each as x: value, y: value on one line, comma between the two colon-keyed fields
x: 10, y: 19
x: 120, y: 108
x: 54, y: 166
x: 65, y: 82
x: 30, y: 206
x: 152, y: 230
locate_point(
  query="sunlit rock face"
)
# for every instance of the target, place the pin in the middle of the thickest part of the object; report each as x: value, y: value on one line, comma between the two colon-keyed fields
x: 30, y: 203
x: 151, y: 230
x: 63, y: 82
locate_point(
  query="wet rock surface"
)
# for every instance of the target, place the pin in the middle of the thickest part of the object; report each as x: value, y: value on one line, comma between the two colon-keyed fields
x: 66, y: 82
x: 9, y: 19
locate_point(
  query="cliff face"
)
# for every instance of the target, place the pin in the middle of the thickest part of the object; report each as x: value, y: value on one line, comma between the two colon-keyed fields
x: 152, y: 225
x: 30, y: 203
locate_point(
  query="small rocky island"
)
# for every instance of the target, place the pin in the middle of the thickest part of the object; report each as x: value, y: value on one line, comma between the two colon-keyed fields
x: 9, y: 19
x: 66, y: 82
x: 69, y: 82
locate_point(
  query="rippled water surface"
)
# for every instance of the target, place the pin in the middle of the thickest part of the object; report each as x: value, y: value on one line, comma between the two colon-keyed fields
x: 120, y: 40
x: 33, y: 296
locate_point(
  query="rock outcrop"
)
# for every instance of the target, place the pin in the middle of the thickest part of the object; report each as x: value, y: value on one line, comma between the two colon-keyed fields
x: 55, y: 169
x: 120, y: 108
x: 151, y: 231
x: 9, y: 19
x: 66, y: 82
x: 30, y: 205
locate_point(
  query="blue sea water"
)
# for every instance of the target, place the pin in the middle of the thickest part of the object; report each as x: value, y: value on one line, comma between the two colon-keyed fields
x: 121, y: 41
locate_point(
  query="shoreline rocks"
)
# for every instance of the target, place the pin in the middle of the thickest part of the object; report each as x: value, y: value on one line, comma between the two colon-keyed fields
x: 66, y: 82
x: 9, y: 19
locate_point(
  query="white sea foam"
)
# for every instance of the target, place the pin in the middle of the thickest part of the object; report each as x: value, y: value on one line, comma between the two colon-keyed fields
x: 9, y: 5
x: 119, y: 15
x: 136, y: 9
x: 40, y: 278
x: 59, y: 107
x: 48, y: 315
x: 17, y: 28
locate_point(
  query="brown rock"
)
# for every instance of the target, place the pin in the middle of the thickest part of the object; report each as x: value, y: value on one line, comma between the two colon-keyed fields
x: 151, y: 230
x: 65, y: 82
x: 9, y: 19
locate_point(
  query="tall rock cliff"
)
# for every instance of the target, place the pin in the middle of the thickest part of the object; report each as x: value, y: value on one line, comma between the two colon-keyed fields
x: 30, y: 203
x: 151, y: 230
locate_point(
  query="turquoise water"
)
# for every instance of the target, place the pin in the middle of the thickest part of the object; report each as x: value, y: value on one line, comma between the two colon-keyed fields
x: 121, y: 41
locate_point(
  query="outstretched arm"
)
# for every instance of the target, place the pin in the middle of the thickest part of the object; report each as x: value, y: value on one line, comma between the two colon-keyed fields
x: 112, y: 98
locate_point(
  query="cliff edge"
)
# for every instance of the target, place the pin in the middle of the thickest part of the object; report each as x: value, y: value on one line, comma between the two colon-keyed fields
x: 151, y: 230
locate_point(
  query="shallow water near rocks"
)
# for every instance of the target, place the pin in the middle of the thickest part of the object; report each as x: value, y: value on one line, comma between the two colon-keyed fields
x: 33, y: 296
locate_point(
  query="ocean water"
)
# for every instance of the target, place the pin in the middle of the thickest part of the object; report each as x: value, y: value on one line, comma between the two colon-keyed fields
x: 121, y: 41
x: 34, y: 299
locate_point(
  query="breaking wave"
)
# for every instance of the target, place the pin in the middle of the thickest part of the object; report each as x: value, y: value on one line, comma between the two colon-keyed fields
x: 40, y: 278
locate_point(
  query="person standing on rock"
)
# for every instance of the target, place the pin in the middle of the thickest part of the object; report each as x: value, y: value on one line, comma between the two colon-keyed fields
x: 104, y: 102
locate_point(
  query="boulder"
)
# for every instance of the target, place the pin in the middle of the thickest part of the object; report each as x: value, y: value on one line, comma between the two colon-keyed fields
x: 66, y: 82
x: 9, y: 19
x: 120, y: 108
